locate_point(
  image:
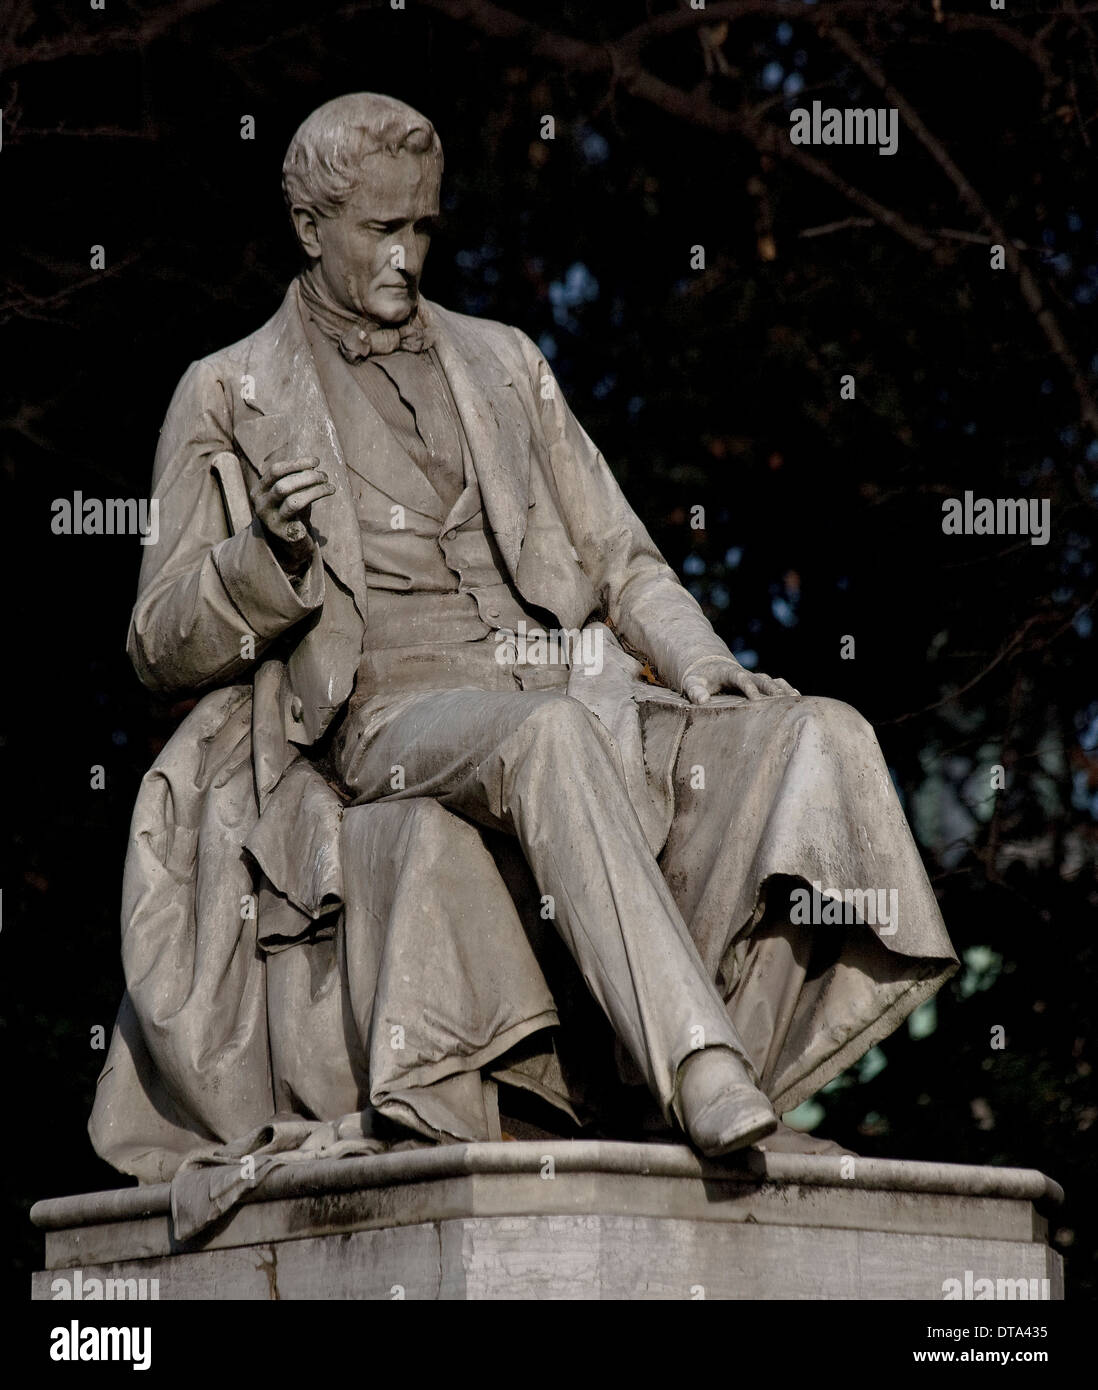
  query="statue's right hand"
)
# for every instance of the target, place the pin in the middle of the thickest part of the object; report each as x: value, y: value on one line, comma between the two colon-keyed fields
x: 282, y: 498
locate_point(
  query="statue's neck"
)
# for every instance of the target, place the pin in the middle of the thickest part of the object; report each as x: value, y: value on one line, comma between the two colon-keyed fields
x: 323, y: 305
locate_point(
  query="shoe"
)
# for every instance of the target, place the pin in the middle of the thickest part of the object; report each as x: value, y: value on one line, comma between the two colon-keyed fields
x: 791, y: 1141
x: 722, y: 1110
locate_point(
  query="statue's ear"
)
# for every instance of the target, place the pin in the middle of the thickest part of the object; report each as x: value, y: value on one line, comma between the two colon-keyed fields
x: 308, y: 232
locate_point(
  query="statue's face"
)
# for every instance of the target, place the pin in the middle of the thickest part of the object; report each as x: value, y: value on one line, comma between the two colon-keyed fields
x: 372, y: 252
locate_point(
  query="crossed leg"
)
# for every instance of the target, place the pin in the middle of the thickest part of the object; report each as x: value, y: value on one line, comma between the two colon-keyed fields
x: 541, y: 767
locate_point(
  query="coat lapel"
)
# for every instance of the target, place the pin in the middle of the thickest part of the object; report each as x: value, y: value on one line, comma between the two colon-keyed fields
x: 495, y: 426
x: 284, y: 415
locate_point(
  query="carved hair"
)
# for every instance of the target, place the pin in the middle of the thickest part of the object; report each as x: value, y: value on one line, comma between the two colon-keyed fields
x: 323, y: 165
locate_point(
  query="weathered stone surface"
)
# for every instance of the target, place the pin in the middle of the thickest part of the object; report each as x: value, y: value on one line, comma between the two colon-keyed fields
x: 580, y: 1220
x: 371, y: 505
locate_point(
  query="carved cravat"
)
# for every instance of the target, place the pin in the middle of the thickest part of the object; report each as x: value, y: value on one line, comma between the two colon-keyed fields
x: 359, y: 337
x: 403, y: 382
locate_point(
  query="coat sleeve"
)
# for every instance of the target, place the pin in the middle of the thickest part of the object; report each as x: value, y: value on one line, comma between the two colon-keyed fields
x: 639, y: 591
x: 202, y: 590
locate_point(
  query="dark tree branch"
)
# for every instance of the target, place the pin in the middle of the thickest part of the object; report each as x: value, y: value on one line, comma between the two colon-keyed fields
x: 1008, y: 649
x: 622, y: 59
x: 1027, y: 281
x: 676, y: 21
x: 84, y: 42
x: 32, y: 306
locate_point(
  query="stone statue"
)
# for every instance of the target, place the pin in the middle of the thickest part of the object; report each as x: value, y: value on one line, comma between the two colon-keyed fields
x: 476, y: 815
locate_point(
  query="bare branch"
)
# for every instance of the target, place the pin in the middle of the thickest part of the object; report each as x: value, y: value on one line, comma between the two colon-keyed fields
x: 942, y: 233
x: 622, y: 59
x: 820, y: 15
x: 1008, y: 649
x: 82, y: 42
x: 498, y: 23
x: 32, y: 306
x: 841, y: 226
x: 1027, y: 282
x: 693, y: 107
x: 102, y: 132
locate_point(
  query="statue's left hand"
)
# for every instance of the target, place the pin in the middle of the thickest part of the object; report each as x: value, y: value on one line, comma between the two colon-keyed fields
x: 718, y: 676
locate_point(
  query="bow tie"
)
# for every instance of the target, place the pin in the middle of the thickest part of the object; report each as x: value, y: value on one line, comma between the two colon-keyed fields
x: 358, y: 342
x: 359, y: 338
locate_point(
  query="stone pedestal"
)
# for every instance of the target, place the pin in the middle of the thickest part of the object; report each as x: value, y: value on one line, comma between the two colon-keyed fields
x: 584, y: 1220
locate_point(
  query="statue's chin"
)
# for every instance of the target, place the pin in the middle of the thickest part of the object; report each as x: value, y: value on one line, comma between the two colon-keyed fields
x: 391, y: 309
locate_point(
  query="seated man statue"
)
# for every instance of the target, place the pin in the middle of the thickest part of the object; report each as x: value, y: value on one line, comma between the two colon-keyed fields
x: 475, y: 813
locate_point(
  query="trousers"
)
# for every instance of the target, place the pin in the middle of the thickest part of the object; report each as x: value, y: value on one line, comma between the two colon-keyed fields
x: 540, y: 766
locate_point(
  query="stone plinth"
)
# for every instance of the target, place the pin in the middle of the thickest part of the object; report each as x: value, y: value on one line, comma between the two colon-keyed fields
x: 577, y: 1220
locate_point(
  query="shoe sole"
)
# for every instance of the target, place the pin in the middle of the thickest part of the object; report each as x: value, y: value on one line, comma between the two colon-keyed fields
x: 757, y: 1129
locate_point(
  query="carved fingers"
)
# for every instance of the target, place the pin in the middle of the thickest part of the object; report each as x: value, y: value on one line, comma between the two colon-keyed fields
x: 713, y: 678
x: 282, y: 498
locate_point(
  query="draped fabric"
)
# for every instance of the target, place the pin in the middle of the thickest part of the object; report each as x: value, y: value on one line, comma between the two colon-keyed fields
x: 397, y: 962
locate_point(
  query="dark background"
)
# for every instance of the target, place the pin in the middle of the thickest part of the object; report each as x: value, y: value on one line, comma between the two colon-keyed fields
x: 715, y: 387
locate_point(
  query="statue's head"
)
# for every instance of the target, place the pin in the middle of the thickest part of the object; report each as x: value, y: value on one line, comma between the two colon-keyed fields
x: 361, y: 179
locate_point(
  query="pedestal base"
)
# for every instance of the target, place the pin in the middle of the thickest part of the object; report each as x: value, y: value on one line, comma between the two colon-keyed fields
x: 580, y: 1220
